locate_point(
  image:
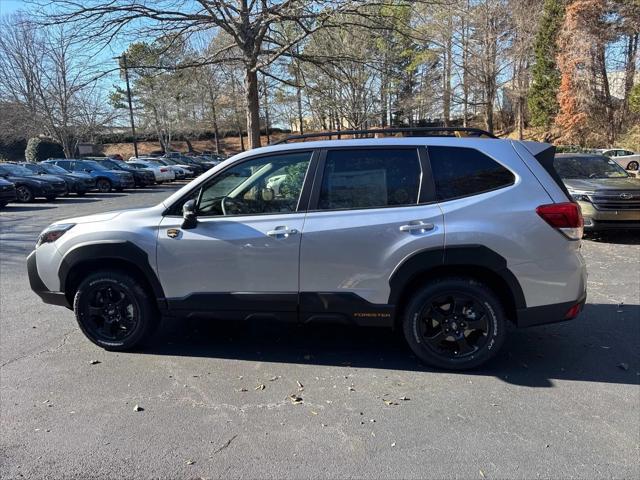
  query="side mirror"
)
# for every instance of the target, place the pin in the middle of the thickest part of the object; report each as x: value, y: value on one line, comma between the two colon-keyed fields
x: 189, y: 217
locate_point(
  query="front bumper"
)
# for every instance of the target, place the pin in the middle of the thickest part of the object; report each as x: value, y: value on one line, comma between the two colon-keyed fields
x: 38, y: 286
x: 8, y: 195
x: 595, y: 219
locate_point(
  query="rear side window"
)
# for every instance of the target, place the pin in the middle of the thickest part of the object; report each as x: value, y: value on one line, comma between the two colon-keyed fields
x: 460, y: 172
x: 369, y: 178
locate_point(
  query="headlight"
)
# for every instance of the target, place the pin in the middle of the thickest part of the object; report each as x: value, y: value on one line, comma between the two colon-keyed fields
x: 580, y: 196
x: 53, y: 233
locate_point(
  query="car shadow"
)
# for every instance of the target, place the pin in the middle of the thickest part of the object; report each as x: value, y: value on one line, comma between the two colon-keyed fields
x: 618, y: 237
x: 18, y: 208
x: 599, y: 346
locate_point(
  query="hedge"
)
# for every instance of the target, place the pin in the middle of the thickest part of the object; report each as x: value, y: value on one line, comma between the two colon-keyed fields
x: 39, y: 149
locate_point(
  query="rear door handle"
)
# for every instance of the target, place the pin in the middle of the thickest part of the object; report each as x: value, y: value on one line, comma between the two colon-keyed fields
x: 282, y: 231
x: 417, y: 226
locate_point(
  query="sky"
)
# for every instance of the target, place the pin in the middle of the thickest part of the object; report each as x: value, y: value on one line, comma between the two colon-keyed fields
x: 10, y: 6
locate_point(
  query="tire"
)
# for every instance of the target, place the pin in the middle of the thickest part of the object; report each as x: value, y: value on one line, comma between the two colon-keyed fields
x: 116, y: 321
x: 632, y: 165
x: 119, y: 189
x: 24, y: 194
x: 3, y: 203
x: 51, y: 198
x: 81, y: 193
x: 103, y: 185
x: 443, y: 307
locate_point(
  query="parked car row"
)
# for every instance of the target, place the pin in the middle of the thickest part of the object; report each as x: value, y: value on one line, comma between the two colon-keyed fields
x: 24, y: 182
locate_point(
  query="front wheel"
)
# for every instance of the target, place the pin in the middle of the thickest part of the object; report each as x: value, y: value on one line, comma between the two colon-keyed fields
x: 632, y: 165
x: 114, y: 311
x: 103, y: 185
x: 454, y: 323
x: 24, y: 194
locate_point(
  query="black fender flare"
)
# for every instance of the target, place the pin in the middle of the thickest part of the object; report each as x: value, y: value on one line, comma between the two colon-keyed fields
x: 459, y: 255
x: 123, y: 251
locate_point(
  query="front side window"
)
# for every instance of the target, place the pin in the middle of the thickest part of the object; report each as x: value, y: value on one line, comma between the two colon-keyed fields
x: 264, y: 185
x: 460, y: 172
x: 370, y: 178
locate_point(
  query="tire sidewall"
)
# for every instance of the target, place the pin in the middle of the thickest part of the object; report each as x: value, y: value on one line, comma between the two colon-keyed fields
x: 484, y: 296
x: 27, y: 189
x: 138, y: 296
x: 103, y: 181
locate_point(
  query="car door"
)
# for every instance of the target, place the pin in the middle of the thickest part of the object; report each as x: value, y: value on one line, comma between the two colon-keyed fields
x: 370, y: 209
x: 242, y: 257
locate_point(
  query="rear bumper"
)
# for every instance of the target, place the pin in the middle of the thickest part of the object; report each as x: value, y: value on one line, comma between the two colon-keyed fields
x: 545, y: 314
x: 38, y: 286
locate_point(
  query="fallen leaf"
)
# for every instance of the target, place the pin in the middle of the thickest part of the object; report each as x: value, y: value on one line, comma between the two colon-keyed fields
x: 351, y: 389
x: 94, y: 362
x: 405, y: 398
x: 393, y: 444
x: 623, y: 366
x: 243, y: 390
x: 390, y: 402
x: 482, y: 474
x: 190, y: 462
x: 313, y: 413
x: 295, y: 399
x: 273, y: 379
x: 137, y: 408
x: 260, y: 387
x: 300, y: 386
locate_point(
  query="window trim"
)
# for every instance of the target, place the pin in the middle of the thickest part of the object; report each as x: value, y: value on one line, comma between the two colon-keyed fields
x: 426, y: 195
x: 301, y: 201
x: 513, y: 174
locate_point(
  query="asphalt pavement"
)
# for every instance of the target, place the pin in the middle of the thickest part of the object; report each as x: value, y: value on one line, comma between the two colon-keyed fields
x: 214, y: 400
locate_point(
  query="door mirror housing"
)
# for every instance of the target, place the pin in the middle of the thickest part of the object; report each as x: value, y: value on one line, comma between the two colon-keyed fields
x: 189, y: 217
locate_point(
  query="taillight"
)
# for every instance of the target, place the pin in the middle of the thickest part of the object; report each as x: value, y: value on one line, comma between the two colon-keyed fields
x: 163, y: 170
x: 566, y: 217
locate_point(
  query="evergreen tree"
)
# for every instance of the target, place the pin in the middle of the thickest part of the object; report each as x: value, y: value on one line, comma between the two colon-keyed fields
x: 542, y: 98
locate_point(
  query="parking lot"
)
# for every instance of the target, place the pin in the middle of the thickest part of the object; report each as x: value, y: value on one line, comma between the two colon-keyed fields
x: 560, y: 401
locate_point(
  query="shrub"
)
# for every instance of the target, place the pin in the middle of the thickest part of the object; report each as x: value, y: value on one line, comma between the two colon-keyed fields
x: 39, y: 149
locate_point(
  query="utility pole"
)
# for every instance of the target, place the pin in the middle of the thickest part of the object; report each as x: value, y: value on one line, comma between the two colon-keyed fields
x: 133, y: 125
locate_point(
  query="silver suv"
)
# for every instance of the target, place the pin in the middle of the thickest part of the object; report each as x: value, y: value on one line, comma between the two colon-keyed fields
x: 444, y: 238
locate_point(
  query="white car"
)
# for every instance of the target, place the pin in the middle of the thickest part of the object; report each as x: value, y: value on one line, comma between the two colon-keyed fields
x: 625, y: 158
x: 162, y: 173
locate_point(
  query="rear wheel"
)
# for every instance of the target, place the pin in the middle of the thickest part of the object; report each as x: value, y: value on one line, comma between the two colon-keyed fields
x: 103, y: 185
x: 24, y: 194
x: 114, y: 311
x: 454, y: 323
x: 632, y: 165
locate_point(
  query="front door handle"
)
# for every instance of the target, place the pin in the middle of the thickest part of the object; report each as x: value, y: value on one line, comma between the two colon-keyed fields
x: 417, y: 226
x: 282, y: 231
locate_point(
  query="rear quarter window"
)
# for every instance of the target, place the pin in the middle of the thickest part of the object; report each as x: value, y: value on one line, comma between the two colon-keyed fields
x: 461, y: 172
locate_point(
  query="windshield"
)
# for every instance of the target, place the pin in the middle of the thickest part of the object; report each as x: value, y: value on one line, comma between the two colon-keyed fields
x: 15, y: 169
x: 109, y: 164
x: 91, y: 165
x: 51, y: 168
x: 119, y: 163
x: 34, y: 168
x: 588, y: 167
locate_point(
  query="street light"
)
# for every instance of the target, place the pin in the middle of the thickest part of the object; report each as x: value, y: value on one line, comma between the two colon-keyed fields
x: 133, y: 125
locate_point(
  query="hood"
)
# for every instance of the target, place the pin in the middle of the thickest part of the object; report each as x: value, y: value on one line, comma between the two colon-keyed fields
x: 101, y: 217
x: 50, y: 178
x: 594, y: 184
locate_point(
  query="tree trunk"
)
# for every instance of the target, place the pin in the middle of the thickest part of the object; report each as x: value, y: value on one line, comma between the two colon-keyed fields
x: 446, y: 79
x: 253, y: 107
x: 216, y: 133
x: 266, y: 109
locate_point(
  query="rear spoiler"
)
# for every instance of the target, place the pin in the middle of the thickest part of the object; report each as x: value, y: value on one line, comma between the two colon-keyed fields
x: 545, y: 153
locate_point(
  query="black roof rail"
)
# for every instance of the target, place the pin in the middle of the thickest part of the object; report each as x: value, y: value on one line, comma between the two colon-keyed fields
x: 412, y: 131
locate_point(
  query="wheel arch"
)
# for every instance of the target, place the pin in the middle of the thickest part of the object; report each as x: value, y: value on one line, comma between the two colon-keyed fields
x: 472, y: 261
x: 123, y: 256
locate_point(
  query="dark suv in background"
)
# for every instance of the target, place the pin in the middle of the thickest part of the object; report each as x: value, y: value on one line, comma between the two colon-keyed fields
x: 106, y: 179
x: 78, y: 183
x: 7, y: 192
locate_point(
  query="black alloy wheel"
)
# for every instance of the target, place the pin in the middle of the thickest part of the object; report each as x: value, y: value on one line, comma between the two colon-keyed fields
x: 114, y: 311
x: 454, y: 323
x: 24, y: 194
x: 632, y: 165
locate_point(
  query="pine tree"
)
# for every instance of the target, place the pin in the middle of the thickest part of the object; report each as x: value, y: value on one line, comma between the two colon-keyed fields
x: 542, y: 98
